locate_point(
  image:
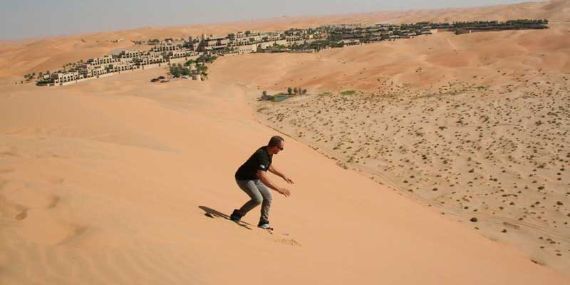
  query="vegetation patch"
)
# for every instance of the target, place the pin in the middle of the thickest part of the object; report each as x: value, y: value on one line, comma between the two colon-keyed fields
x: 347, y: 92
x: 280, y: 97
x: 291, y: 92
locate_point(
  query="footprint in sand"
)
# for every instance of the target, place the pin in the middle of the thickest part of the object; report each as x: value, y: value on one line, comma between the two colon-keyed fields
x: 73, y: 233
x: 285, y: 239
x: 57, y: 180
x: 6, y: 170
x: 44, y: 227
x: 288, y: 241
x: 22, y: 215
x: 8, y: 151
x: 54, y: 201
x: 34, y: 223
x: 28, y: 197
x: 12, y: 210
x: 16, y: 202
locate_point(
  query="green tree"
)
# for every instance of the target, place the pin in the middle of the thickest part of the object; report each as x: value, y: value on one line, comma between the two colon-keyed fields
x: 175, y: 71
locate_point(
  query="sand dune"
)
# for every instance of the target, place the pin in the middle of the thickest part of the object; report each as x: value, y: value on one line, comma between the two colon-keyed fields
x: 474, y: 125
x: 109, y: 181
x: 109, y: 185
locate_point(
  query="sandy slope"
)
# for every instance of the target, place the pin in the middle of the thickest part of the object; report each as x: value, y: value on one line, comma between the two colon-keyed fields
x: 108, y: 181
x: 476, y: 124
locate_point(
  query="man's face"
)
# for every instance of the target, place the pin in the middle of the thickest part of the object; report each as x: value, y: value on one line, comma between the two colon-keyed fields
x: 276, y: 149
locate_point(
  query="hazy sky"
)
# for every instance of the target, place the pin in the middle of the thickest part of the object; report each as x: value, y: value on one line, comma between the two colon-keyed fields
x: 38, y: 18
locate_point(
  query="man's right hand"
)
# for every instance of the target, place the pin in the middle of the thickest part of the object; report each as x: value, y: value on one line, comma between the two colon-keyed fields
x: 284, y: 192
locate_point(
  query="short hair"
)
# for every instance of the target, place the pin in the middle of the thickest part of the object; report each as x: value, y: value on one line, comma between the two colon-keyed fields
x: 275, y: 141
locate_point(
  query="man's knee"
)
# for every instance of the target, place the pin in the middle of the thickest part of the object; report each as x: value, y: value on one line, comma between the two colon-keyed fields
x: 257, y: 200
x: 265, y: 193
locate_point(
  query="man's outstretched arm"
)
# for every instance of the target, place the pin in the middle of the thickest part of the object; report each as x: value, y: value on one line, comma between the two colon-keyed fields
x: 263, y: 177
x: 278, y: 173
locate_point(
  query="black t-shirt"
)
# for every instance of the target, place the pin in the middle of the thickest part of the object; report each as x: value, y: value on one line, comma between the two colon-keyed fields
x: 259, y: 160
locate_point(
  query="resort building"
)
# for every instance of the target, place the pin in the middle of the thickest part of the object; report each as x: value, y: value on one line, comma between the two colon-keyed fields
x: 166, y: 47
x: 200, y: 49
x: 122, y: 66
x: 245, y: 49
x: 214, y: 44
x: 265, y: 45
x: 107, y: 59
x: 181, y: 53
x: 130, y: 54
x: 64, y: 77
x: 152, y: 58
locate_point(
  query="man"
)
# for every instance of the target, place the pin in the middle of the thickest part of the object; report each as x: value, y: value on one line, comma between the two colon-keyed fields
x: 251, y: 177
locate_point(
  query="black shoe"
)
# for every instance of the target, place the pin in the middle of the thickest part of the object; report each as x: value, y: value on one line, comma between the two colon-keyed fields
x: 235, y: 216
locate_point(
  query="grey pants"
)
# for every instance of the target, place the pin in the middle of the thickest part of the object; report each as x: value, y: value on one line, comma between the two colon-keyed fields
x: 259, y: 194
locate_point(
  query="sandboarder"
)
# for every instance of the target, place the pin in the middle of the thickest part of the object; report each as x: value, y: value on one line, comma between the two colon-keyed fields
x: 251, y: 177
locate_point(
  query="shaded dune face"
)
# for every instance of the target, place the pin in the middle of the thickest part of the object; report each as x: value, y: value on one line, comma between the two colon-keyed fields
x: 109, y: 181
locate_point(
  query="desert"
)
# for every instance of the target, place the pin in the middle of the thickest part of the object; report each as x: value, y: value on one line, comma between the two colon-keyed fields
x: 433, y: 160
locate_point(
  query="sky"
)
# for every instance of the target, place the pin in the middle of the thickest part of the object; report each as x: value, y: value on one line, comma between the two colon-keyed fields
x: 20, y: 19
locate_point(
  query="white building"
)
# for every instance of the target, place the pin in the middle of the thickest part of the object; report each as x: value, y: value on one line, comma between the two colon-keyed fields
x: 103, y: 60
x: 265, y: 45
x: 165, y: 47
x: 245, y: 49
x: 63, y: 77
x: 131, y: 54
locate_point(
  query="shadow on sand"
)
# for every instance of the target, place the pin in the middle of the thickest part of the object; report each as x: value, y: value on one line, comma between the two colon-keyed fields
x: 211, y: 213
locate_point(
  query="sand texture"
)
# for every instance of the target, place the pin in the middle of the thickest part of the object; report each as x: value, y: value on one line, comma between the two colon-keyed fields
x: 475, y: 125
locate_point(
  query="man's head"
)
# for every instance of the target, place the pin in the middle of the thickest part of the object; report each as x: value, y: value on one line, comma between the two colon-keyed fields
x: 275, y: 144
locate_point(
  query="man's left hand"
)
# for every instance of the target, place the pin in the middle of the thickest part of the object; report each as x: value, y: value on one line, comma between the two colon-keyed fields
x: 288, y: 179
